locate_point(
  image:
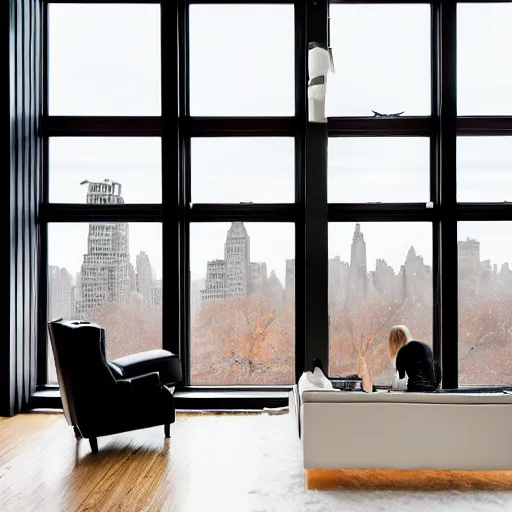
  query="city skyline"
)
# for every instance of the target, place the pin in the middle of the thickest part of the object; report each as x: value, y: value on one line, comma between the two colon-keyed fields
x: 358, y: 260
x: 279, y: 266
x: 85, y: 74
x: 385, y: 238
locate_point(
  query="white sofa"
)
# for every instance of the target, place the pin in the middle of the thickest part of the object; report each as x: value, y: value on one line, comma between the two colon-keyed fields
x: 455, y: 431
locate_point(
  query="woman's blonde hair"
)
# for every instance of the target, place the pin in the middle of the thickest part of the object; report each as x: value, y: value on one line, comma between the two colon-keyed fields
x: 398, y: 337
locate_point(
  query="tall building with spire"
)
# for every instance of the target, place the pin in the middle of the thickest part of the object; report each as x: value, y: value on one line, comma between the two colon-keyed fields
x: 358, y: 277
x: 230, y: 277
x: 235, y: 277
x: 105, y: 271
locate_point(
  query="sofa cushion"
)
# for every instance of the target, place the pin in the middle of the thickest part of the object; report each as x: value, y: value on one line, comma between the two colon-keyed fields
x: 322, y: 396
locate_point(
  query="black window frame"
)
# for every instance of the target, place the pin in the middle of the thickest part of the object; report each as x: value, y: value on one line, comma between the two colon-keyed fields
x: 310, y: 213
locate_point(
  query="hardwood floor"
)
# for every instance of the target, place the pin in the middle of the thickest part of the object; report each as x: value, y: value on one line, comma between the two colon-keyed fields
x: 213, y: 462
x: 42, y: 467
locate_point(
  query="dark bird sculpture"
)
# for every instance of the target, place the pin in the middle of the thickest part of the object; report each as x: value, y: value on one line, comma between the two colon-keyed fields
x: 378, y: 114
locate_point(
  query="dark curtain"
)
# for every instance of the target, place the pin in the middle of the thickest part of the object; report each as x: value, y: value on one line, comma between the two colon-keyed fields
x: 22, y: 198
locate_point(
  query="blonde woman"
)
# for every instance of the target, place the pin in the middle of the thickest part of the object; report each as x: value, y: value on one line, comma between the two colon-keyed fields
x: 414, y: 360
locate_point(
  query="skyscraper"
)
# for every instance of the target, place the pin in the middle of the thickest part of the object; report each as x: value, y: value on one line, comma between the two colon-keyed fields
x: 290, y: 280
x: 358, y: 274
x: 234, y: 277
x: 61, y: 293
x: 469, y: 256
x: 105, y: 271
x: 338, y: 276
x: 144, y: 276
x: 257, y: 277
x: 416, y: 277
x: 215, y: 285
x: 196, y: 287
x: 155, y: 295
x: 103, y: 192
x: 237, y: 254
x: 471, y: 271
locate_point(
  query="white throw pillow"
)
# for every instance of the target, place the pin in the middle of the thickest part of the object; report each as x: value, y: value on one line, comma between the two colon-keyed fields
x: 314, y: 381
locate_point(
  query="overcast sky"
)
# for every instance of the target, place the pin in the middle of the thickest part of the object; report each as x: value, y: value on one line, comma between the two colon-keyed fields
x: 105, y: 60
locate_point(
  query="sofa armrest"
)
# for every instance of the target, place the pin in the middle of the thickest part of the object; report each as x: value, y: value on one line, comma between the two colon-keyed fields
x: 141, y: 383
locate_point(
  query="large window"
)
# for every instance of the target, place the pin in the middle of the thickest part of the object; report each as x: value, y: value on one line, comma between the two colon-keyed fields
x: 379, y: 170
x: 375, y: 70
x: 104, y: 59
x: 484, y: 169
x: 113, y: 162
x: 103, y: 233
x: 485, y: 302
x: 484, y: 181
x: 484, y: 82
x: 240, y: 308
x: 241, y: 60
x: 380, y: 275
x: 189, y: 204
x: 109, y: 273
x: 134, y: 163
x: 242, y: 300
x: 243, y: 169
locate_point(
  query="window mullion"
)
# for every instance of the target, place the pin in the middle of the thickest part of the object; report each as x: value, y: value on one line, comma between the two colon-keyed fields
x: 170, y: 176
x: 447, y: 193
x: 316, y: 272
x: 183, y: 187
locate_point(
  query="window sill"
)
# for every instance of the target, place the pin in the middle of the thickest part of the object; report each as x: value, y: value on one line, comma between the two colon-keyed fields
x: 208, y: 399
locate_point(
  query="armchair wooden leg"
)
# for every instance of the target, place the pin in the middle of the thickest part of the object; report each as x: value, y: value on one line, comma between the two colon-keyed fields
x: 167, y: 430
x: 93, y: 441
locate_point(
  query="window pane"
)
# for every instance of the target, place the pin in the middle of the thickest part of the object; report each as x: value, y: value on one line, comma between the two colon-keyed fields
x: 370, y: 169
x: 379, y: 276
x: 134, y: 163
x: 485, y: 303
x: 381, y: 59
x: 484, y: 79
x: 243, y: 64
x: 104, y: 59
x: 234, y: 170
x: 109, y: 273
x: 242, y: 303
x: 484, y: 169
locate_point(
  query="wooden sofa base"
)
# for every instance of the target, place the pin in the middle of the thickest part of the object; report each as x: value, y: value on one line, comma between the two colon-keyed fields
x: 424, y: 480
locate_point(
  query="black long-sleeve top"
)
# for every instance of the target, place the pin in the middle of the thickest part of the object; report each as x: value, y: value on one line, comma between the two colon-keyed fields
x: 416, y: 360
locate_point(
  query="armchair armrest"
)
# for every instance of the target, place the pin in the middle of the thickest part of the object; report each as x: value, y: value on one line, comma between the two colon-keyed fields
x: 141, y: 383
x: 164, y: 362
